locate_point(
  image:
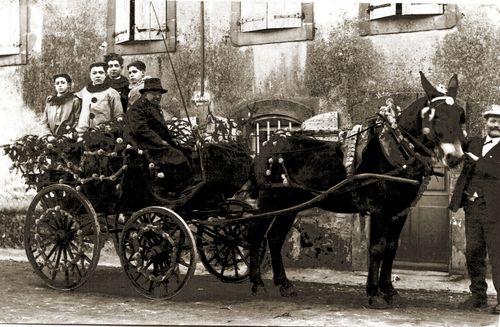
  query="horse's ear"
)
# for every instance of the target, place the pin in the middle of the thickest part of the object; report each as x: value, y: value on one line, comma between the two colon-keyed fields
x: 428, y: 88
x: 453, y: 86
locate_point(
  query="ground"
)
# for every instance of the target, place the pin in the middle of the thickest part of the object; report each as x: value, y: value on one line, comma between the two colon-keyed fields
x: 326, y: 298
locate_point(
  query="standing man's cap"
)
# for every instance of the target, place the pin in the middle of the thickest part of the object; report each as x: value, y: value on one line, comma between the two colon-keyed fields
x: 493, y: 111
x: 152, y: 84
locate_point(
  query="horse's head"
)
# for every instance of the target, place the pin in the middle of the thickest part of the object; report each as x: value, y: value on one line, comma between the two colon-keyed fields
x: 441, y: 121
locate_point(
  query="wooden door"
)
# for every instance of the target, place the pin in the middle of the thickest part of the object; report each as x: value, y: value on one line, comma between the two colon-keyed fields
x: 425, y: 239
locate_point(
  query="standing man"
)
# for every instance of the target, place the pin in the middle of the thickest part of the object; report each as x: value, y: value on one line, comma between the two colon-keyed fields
x: 477, y: 191
x: 115, y: 79
x: 100, y: 102
x: 137, y: 74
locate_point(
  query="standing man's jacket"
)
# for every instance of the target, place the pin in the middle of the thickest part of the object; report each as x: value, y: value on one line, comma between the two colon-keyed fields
x: 146, y: 128
x: 481, y: 177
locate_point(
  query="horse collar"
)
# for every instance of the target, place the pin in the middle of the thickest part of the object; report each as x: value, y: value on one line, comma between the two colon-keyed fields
x: 449, y: 100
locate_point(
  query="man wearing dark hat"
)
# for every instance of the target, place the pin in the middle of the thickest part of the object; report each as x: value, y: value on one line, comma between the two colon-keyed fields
x: 147, y: 129
x: 477, y: 191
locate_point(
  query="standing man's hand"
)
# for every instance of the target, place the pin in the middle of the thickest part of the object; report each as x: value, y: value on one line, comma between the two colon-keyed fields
x: 164, y: 142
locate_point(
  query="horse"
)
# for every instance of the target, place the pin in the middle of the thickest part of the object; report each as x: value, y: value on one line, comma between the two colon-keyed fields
x: 403, y: 146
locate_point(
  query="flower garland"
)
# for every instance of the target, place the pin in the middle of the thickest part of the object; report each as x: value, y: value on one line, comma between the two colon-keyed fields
x: 101, y: 156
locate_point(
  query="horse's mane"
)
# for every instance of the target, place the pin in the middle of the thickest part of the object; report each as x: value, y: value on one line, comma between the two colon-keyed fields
x: 410, y: 118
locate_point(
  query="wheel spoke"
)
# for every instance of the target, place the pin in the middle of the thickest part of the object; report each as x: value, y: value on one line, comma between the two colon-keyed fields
x: 56, y: 266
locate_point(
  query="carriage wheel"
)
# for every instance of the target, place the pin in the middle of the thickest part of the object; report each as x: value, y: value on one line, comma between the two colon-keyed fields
x: 223, y: 249
x: 61, y: 237
x: 159, y: 253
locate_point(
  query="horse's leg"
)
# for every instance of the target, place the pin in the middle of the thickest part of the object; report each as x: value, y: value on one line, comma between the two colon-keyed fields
x: 378, y: 241
x: 256, y: 235
x: 385, y: 281
x: 276, y: 238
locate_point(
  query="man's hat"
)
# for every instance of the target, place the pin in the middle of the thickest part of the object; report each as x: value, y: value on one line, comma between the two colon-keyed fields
x: 493, y: 111
x: 152, y: 84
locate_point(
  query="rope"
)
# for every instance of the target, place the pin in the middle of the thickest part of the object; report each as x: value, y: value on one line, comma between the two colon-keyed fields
x: 172, y: 65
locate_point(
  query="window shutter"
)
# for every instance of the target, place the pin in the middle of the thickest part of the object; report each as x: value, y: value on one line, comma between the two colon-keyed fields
x: 10, y: 27
x: 253, y: 16
x: 284, y: 14
x: 422, y: 9
x: 381, y: 10
x: 122, y: 21
x: 146, y: 26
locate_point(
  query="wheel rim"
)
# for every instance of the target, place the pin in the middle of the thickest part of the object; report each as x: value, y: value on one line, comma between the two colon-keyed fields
x: 223, y: 249
x: 159, y: 253
x: 61, y: 237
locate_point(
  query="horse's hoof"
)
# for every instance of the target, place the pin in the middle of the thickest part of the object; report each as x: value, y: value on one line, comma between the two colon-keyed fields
x: 258, y: 288
x: 393, y: 299
x: 288, y: 291
x: 377, y: 302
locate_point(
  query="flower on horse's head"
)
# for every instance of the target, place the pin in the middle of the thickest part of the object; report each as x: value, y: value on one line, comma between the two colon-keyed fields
x: 441, y: 88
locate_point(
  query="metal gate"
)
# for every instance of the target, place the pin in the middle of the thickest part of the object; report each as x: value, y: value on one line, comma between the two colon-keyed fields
x: 265, y: 126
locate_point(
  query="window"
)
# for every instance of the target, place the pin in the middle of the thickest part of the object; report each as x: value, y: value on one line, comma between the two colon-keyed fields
x: 259, y: 22
x: 269, y: 15
x: 265, y: 126
x: 133, y: 24
x: 397, y: 9
x: 384, y: 17
x: 13, y: 35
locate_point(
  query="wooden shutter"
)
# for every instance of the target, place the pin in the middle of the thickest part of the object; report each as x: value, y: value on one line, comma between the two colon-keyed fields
x: 10, y: 27
x: 122, y: 21
x: 253, y: 16
x: 381, y: 10
x: 284, y: 14
x: 146, y: 25
x: 422, y: 9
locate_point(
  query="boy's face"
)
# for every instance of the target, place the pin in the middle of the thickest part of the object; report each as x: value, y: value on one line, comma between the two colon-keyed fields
x: 114, y: 69
x: 135, y: 74
x: 97, y: 75
x: 61, y: 85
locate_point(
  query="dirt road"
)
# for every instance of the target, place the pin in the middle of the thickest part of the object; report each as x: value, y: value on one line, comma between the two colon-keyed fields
x: 108, y: 299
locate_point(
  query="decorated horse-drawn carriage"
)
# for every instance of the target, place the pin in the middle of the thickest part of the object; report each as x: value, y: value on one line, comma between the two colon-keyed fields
x: 99, y: 185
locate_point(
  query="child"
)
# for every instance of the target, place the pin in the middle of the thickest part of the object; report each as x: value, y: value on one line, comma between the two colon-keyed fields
x: 62, y: 110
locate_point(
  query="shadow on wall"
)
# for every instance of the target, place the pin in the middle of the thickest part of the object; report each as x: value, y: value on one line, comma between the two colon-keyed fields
x: 472, y: 52
x: 68, y: 45
x: 228, y: 73
x: 344, y: 69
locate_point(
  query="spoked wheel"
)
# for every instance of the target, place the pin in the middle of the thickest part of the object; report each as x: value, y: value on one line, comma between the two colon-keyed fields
x: 224, y: 249
x: 159, y: 253
x: 61, y: 237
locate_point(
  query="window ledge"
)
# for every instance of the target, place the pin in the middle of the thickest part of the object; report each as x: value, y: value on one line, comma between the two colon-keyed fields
x: 406, y: 24
x: 147, y: 46
x: 304, y: 33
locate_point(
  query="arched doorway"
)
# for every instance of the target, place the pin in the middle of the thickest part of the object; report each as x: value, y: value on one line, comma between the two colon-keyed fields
x: 270, y: 115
